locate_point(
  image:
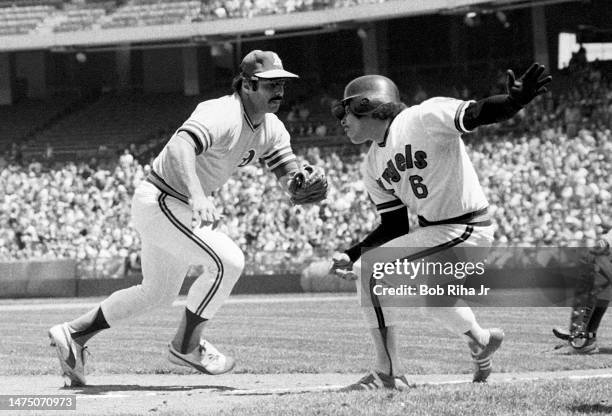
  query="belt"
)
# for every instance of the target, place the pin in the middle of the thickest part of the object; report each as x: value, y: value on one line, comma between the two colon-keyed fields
x: 161, y: 184
x: 479, y: 218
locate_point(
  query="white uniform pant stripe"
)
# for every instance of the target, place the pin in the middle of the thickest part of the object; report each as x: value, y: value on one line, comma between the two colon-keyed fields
x: 168, y: 251
x: 378, y: 310
x: 433, y: 250
x: 380, y: 317
x: 200, y: 243
x: 419, y: 243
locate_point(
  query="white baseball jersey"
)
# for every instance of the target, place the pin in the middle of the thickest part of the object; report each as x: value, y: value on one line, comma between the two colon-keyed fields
x: 224, y: 139
x: 423, y: 164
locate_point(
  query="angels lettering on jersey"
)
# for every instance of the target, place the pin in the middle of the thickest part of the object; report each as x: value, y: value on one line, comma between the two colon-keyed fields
x: 400, y: 163
x: 423, y: 163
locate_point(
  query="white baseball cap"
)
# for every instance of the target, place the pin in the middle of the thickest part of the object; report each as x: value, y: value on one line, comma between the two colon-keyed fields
x: 264, y: 64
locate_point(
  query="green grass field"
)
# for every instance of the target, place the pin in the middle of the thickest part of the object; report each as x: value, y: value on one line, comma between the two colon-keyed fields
x: 559, y: 398
x: 327, y: 336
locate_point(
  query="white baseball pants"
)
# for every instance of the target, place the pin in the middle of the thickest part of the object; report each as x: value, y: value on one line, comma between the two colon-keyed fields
x: 447, y: 235
x: 169, y: 247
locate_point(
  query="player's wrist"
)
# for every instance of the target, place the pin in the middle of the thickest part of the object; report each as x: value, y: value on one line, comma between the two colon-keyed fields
x: 195, y: 191
x: 515, y: 102
x: 353, y: 253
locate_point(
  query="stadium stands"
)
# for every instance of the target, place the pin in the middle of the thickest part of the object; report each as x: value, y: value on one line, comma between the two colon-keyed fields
x: 114, y: 122
x: 546, y: 174
x: 152, y: 12
x: 22, y: 18
x: 82, y: 18
x: 25, y: 118
x: 25, y: 16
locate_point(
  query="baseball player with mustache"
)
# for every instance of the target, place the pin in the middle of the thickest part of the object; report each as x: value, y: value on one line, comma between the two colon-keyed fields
x: 174, y: 214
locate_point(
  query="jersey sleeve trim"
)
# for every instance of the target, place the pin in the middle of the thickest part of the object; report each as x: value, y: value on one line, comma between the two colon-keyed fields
x: 389, y: 206
x: 198, y: 132
x: 279, y: 158
x: 198, y: 145
x: 459, y: 114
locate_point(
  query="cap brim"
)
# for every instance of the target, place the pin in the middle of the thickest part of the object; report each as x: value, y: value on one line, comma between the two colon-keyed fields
x: 275, y: 73
x: 350, y: 97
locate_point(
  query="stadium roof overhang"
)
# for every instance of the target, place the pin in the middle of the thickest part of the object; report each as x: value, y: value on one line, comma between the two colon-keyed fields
x: 224, y: 30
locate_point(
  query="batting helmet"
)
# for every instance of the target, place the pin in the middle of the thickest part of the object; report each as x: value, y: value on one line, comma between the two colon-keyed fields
x: 365, y: 94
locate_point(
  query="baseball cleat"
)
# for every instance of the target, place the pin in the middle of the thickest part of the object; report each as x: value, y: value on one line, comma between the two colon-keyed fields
x: 562, y: 334
x: 585, y: 345
x: 374, y: 381
x: 401, y: 383
x: 205, y: 358
x: 483, y: 359
x: 71, y: 355
x: 578, y: 346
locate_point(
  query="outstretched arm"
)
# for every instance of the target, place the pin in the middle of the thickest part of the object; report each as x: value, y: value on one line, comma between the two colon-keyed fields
x: 504, y: 106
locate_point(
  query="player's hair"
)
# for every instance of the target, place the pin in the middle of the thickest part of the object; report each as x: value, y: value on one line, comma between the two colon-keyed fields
x: 237, y: 83
x: 239, y: 79
x: 388, y: 110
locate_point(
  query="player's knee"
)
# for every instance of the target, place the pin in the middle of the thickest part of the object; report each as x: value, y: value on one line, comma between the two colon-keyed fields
x: 234, y: 261
x: 228, y: 253
x: 232, y: 257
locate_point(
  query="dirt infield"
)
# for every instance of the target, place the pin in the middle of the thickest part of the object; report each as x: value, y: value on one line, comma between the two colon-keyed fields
x: 288, y: 365
x: 197, y: 394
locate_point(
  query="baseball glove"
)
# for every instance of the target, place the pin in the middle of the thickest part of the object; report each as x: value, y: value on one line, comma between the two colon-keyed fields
x: 308, y: 185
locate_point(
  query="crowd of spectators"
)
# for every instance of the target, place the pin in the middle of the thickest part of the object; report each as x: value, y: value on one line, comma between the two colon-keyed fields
x: 547, y: 175
x: 82, y: 15
x: 74, y: 211
x: 222, y: 9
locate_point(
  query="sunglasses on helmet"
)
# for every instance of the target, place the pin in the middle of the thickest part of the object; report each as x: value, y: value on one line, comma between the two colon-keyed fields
x: 357, y: 106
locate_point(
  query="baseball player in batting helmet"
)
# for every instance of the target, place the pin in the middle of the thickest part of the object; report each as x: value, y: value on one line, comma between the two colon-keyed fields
x: 174, y: 213
x: 417, y: 159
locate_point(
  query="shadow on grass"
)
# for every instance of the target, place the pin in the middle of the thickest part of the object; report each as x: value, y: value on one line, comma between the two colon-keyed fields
x: 598, y: 408
x: 565, y: 349
x: 106, y: 388
x: 285, y: 392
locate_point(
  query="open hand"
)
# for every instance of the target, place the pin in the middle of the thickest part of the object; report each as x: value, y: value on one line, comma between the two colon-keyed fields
x: 203, y: 211
x: 531, y: 84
